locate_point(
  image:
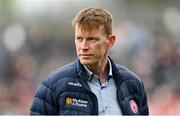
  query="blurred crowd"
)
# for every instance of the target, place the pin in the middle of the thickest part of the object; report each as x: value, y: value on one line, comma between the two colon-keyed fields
x: 30, y: 49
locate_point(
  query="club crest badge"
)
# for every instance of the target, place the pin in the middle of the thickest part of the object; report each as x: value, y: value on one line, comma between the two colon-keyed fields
x: 133, y: 106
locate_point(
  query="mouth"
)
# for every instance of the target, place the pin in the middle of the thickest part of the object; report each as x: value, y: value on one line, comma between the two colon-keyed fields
x: 85, y: 55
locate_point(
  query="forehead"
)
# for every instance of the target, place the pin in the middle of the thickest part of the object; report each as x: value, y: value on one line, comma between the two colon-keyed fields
x: 88, y: 31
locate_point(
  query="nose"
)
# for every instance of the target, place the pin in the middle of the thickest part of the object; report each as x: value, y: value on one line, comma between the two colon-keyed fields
x: 84, y: 45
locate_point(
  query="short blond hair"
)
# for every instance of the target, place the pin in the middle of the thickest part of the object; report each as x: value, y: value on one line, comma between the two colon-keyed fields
x: 92, y: 18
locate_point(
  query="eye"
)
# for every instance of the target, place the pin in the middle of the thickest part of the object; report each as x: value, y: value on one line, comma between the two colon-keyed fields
x: 92, y: 39
x: 79, y: 38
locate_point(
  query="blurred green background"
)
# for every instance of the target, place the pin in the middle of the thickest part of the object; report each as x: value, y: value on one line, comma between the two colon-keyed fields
x: 36, y: 37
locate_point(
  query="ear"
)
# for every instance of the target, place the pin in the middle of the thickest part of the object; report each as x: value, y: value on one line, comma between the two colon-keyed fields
x: 111, y: 40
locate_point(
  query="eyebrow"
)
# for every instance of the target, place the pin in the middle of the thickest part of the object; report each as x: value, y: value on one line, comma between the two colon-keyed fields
x: 90, y: 36
x: 93, y: 36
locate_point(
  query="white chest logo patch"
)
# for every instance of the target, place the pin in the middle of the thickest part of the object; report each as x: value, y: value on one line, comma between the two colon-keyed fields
x: 75, y: 84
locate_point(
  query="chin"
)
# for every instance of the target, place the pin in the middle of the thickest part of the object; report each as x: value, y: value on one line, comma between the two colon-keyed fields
x: 86, y: 61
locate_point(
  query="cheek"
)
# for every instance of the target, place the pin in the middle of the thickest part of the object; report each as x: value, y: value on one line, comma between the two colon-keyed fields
x: 76, y: 45
x: 101, y: 48
x: 77, y: 48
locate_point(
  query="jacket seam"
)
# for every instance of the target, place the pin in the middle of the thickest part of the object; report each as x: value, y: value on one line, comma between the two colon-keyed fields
x: 45, y: 101
x: 47, y: 86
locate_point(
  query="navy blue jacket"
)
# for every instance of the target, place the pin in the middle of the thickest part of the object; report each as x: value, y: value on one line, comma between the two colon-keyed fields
x: 66, y: 92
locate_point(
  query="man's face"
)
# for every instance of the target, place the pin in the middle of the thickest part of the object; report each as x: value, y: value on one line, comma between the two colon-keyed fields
x: 91, y: 46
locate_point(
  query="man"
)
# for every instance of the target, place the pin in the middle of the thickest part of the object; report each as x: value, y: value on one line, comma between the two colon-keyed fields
x: 92, y: 84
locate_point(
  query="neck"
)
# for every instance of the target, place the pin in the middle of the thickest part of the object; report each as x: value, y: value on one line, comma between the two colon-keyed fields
x: 100, y: 69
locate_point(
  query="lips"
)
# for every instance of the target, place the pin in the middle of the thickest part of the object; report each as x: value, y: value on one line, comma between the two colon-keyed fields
x: 85, y: 55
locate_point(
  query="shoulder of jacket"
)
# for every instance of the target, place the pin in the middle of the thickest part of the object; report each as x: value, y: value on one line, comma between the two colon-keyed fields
x: 130, y: 82
x: 127, y: 74
x: 68, y: 70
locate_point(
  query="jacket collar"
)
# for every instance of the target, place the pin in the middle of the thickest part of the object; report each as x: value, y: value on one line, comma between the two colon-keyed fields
x: 117, y: 75
x: 80, y: 70
x: 115, y: 72
x: 82, y: 75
